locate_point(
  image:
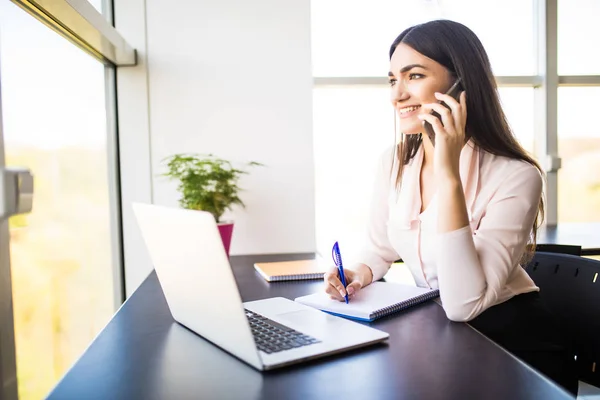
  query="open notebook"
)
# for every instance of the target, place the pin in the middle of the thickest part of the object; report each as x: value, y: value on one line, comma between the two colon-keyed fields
x: 293, y: 270
x: 374, y: 301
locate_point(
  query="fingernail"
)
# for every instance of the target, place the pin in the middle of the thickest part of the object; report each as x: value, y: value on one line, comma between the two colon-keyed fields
x: 350, y: 291
x: 436, y: 94
x: 342, y: 292
x: 420, y: 116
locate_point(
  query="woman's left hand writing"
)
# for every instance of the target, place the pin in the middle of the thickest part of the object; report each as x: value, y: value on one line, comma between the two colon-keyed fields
x: 449, y: 134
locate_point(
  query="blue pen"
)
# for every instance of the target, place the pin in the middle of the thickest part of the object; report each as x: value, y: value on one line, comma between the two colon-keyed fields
x: 337, y: 259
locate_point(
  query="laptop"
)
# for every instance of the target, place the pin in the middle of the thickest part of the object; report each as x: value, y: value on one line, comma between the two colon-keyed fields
x: 202, y: 294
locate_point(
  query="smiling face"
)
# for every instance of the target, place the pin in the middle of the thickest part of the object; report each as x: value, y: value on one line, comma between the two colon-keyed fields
x: 414, y: 79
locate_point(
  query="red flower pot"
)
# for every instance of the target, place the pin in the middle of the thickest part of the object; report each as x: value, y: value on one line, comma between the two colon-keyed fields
x: 226, y: 230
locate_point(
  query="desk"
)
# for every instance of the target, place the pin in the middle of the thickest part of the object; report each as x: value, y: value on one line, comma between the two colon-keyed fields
x: 586, y: 235
x: 143, y: 354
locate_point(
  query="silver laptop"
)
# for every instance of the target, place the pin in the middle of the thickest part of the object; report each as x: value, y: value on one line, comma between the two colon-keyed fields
x: 202, y: 294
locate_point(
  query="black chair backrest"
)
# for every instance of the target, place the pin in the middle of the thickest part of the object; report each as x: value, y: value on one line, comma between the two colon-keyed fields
x: 570, y: 287
x: 559, y: 248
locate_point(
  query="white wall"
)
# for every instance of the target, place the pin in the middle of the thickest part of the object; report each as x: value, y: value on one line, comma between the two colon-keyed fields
x: 231, y: 78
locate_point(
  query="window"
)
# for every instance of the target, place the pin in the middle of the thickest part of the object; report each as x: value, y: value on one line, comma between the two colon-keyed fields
x: 518, y: 105
x: 578, y: 37
x: 579, y: 148
x: 54, y: 111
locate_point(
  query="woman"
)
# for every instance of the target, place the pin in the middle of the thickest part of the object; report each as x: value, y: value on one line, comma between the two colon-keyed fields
x: 460, y: 210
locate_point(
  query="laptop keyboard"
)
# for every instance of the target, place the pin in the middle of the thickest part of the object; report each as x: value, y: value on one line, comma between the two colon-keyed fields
x: 272, y: 337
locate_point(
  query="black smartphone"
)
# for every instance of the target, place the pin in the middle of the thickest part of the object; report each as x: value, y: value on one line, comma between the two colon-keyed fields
x: 454, y: 91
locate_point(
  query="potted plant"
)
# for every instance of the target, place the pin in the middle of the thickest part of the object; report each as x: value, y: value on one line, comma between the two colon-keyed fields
x: 207, y: 183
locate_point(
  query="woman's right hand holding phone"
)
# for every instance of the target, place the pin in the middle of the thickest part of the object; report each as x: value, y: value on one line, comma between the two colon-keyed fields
x: 356, y: 278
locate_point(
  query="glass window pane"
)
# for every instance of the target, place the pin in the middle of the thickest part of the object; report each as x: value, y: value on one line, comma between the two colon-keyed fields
x: 578, y: 37
x: 352, y: 37
x: 518, y: 106
x: 352, y: 127
x: 55, y: 123
x: 579, y: 148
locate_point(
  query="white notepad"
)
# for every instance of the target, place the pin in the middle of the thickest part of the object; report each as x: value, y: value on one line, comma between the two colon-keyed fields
x: 374, y: 301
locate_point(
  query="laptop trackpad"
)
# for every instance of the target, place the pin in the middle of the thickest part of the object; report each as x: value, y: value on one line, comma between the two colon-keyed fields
x: 309, y: 320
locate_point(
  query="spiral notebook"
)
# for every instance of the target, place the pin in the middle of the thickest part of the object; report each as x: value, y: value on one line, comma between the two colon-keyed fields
x: 374, y: 301
x: 293, y: 270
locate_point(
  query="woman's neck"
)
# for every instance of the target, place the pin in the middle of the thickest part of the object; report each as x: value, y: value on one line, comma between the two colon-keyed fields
x: 428, y: 151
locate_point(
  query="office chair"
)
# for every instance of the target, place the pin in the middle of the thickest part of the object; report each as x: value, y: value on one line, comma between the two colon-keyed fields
x: 559, y: 248
x: 570, y: 287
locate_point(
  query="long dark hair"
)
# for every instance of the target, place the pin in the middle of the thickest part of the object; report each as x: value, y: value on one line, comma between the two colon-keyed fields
x: 457, y: 48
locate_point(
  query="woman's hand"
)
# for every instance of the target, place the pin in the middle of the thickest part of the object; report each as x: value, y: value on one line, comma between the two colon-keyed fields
x: 449, y: 141
x: 356, y: 278
x: 449, y: 134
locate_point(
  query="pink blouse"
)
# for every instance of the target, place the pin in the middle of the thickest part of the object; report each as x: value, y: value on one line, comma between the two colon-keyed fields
x: 474, y: 267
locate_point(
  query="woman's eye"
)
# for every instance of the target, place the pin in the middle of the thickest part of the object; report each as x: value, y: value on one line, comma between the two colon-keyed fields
x: 415, y: 76
x: 392, y: 82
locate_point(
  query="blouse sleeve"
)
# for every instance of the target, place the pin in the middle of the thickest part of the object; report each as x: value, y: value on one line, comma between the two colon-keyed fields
x: 378, y: 254
x: 473, y: 267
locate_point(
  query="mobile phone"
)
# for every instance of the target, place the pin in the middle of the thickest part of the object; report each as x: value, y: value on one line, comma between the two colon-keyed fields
x: 454, y: 91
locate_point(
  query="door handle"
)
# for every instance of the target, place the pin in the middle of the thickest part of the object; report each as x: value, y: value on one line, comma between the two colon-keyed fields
x: 16, y: 190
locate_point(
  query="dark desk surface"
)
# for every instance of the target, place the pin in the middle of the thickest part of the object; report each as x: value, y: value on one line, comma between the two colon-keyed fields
x: 143, y: 354
x: 586, y: 235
